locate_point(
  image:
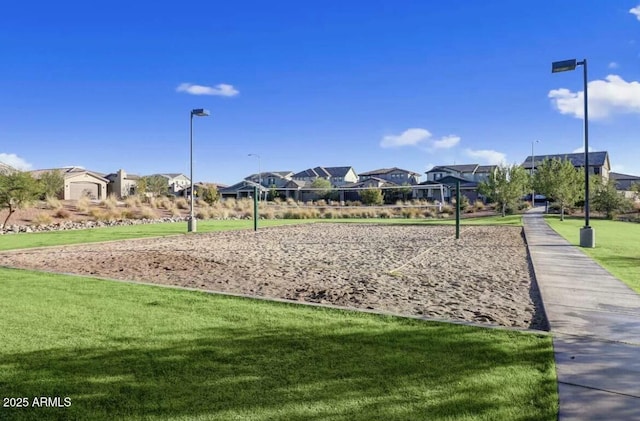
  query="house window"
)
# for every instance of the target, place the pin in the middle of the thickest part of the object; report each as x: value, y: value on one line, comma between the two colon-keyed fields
x: 596, y: 171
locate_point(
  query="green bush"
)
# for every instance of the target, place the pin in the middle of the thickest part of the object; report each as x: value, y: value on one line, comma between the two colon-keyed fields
x: 372, y: 197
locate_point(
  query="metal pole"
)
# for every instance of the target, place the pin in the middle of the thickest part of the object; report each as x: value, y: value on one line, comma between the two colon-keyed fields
x: 255, y: 208
x: 259, y: 178
x: 533, y: 163
x: 457, y: 210
x: 586, y: 147
x: 192, y: 220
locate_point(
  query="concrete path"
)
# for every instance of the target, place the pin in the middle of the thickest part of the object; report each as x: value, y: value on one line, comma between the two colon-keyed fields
x: 595, y: 322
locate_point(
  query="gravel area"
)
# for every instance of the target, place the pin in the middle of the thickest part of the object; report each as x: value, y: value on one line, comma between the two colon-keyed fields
x: 412, y: 270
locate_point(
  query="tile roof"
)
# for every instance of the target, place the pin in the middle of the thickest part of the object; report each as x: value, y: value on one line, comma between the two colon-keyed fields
x: 458, y: 168
x: 387, y: 171
x: 323, y: 172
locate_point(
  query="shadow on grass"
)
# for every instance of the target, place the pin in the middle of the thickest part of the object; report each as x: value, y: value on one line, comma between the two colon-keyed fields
x: 289, y: 374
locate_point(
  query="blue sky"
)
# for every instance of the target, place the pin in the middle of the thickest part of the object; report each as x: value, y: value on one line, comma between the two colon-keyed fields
x: 370, y: 83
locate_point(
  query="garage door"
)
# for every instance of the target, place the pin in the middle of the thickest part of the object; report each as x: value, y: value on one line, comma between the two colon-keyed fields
x: 79, y: 189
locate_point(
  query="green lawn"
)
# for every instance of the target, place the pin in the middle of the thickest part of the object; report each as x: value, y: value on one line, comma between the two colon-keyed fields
x: 126, y: 351
x: 617, y: 245
x: 54, y: 238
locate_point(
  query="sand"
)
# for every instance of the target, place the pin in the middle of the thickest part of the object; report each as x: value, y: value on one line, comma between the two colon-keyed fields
x: 485, y: 276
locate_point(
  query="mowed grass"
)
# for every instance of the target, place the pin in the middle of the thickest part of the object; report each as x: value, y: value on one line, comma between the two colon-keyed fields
x: 617, y: 245
x: 124, y: 232
x: 126, y: 351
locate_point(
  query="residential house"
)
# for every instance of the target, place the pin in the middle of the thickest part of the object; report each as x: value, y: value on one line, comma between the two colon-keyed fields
x: 122, y: 184
x: 624, y: 183
x: 598, y: 162
x: 243, y: 189
x: 394, y: 175
x: 338, y: 176
x: 469, y: 175
x: 469, y: 172
x: 269, y: 180
x: 79, y: 182
x: 176, y: 182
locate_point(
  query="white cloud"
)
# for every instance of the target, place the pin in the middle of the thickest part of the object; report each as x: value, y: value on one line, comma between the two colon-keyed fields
x: 410, y: 137
x: 446, y: 142
x: 15, y: 161
x: 613, y: 65
x: 487, y: 156
x: 606, y: 97
x: 219, y: 90
x: 635, y: 11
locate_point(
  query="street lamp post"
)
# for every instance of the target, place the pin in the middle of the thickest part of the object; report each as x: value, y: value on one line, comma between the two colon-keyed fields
x: 587, y: 233
x: 200, y: 112
x: 259, y: 174
x: 533, y: 164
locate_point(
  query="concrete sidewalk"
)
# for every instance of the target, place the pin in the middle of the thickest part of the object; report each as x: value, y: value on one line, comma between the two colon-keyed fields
x: 595, y: 322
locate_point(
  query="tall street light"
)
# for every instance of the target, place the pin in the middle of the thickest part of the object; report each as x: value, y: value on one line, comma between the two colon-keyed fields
x: 587, y: 233
x: 259, y: 173
x: 200, y: 112
x: 533, y: 164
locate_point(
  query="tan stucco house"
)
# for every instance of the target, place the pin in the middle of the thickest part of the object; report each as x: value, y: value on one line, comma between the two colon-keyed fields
x: 122, y: 184
x: 79, y: 182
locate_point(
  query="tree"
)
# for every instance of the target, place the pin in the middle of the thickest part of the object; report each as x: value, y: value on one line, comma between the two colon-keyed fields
x: 505, y: 186
x: 209, y: 194
x: 17, y: 190
x: 155, y: 184
x: 606, y: 198
x: 371, y: 196
x: 400, y: 193
x: 324, y: 187
x: 635, y: 188
x: 560, y: 181
x: 51, y: 183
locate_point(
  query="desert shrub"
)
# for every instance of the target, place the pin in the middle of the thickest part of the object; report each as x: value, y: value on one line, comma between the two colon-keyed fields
x: 329, y: 215
x: 267, y: 214
x: 167, y: 202
x: 202, y: 214
x: 110, y: 202
x: 428, y: 213
x: 147, y: 213
x: 411, y: 213
x: 478, y: 206
x: 153, y: 202
x: 181, y: 203
x: 133, y: 202
x: 83, y: 204
x: 229, y: 203
x: 353, y: 203
x: 128, y: 213
x: 42, y: 218
x: 62, y: 213
x: 321, y: 202
x: 53, y: 202
x: 447, y: 209
x: 384, y: 214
